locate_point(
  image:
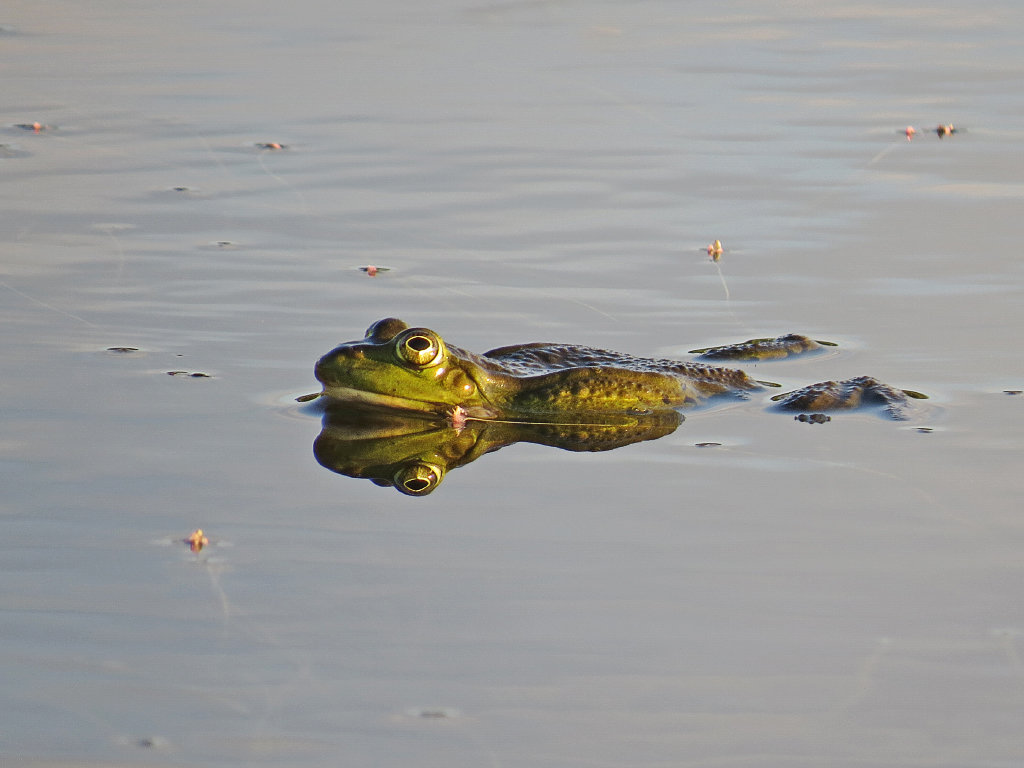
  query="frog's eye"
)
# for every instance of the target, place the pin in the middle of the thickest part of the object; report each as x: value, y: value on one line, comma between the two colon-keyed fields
x: 420, y: 347
x: 418, y: 478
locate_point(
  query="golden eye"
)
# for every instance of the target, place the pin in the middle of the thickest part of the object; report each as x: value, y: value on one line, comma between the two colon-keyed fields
x: 418, y: 478
x: 420, y: 347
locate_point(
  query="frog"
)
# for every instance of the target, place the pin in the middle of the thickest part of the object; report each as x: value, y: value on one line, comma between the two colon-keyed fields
x: 414, y: 370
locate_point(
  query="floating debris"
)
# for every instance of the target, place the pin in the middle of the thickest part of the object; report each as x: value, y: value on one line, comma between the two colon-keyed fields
x: 457, y: 417
x: 122, y: 350
x: 271, y: 145
x: 715, y: 249
x: 152, y: 742
x: 196, y: 540
x: 433, y: 713
x: 196, y: 375
x: 924, y: 430
x: 813, y: 418
x: 36, y: 127
x: 1013, y: 391
x: 143, y: 742
x: 708, y: 445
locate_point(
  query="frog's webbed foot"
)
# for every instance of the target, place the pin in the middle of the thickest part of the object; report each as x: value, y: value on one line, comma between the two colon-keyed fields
x: 848, y: 394
x: 764, y: 349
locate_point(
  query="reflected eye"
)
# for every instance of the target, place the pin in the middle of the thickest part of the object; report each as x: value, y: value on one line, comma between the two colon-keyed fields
x: 418, y: 478
x: 420, y: 347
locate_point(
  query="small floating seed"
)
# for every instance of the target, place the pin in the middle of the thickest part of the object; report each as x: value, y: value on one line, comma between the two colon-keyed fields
x: 36, y: 127
x: 434, y: 713
x: 196, y: 540
x: 457, y: 417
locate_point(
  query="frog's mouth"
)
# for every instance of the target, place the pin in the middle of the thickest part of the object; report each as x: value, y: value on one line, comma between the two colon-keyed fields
x: 362, y: 397
x: 377, y: 400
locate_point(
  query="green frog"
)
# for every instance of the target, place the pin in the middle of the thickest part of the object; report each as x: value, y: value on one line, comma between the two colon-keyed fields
x: 415, y: 370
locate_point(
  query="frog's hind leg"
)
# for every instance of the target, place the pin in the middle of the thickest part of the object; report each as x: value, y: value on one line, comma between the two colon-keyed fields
x: 849, y: 394
x: 789, y: 345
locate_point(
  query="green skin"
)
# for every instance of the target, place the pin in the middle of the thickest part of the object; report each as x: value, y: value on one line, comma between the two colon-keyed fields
x: 413, y: 369
x: 414, y: 454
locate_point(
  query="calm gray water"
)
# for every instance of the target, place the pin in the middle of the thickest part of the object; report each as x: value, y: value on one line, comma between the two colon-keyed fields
x: 846, y: 594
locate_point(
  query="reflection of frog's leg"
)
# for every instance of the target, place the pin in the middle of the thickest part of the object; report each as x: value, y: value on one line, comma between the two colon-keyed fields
x: 764, y: 349
x: 851, y: 393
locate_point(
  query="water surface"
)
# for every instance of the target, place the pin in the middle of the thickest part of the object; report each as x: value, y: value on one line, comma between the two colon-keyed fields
x: 844, y: 594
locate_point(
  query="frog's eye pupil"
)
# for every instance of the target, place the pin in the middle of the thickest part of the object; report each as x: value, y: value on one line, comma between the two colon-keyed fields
x: 420, y: 349
x: 419, y: 343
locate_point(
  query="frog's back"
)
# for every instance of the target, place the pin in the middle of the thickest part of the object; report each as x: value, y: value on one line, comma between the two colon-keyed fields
x: 542, y: 358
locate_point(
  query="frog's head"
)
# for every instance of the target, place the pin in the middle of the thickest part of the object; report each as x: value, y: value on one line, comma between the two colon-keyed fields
x: 412, y: 369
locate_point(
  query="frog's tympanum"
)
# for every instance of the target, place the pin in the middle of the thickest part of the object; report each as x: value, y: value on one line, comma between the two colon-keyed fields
x: 447, y: 406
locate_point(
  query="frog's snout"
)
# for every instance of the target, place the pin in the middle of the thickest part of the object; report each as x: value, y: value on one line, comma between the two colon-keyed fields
x: 328, y: 365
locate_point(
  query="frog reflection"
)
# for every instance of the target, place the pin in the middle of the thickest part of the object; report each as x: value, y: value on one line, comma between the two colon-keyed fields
x: 413, y: 453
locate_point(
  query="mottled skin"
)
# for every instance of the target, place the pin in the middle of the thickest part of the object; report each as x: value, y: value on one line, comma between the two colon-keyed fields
x: 414, y: 369
x: 763, y: 349
x: 414, y: 454
x: 851, y: 393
